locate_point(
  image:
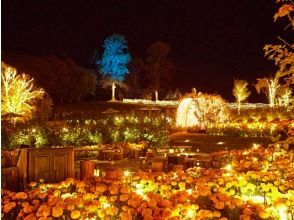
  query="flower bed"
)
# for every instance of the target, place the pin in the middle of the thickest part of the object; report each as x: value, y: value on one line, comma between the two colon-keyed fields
x: 255, y: 183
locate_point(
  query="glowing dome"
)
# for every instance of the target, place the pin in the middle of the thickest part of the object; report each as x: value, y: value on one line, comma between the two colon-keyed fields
x: 199, y: 110
x: 185, y: 114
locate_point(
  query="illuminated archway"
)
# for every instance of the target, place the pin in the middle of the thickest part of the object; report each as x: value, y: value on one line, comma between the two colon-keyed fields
x: 185, y: 114
x: 200, y: 110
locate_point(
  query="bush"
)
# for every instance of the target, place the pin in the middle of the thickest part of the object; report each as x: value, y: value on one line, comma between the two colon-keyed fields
x: 89, y: 131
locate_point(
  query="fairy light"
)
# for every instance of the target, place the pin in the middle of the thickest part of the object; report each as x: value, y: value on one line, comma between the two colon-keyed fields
x: 18, y: 92
x: 189, y: 191
x: 228, y: 168
x: 255, y: 146
x: 191, y: 213
x: 127, y: 173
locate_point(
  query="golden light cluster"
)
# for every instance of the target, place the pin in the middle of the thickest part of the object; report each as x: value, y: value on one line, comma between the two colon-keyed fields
x: 18, y: 92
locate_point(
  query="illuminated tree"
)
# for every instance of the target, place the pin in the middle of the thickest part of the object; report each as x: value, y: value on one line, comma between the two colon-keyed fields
x: 285, y: 96
x: 270, y: 87
x: 158, y: 66
x: 115, y: 58
x: 283, y: 54
x: 19, y: 95
x: 63, y: 80
x: 240, y: 91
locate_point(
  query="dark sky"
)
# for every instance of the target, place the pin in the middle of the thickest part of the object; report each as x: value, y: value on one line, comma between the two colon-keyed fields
x: 212, y: 41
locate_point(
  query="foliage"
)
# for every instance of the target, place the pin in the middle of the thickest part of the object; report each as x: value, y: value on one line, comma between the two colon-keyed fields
x: 176, y: 95
x: 63, y: 80
x: 285, y: 97
x: 107, y: 82
x: 284, y: 59
x: 82, y: 85
x: 283, y: 55
x: 44, y: 109
x: 115, y: 58
x: 158, y: 66
x: 88, y: 131
x: 136, y: 76
x: 19, y: 95
x: 270, y: 87
x: 257, y: 122
x: 240, y: 91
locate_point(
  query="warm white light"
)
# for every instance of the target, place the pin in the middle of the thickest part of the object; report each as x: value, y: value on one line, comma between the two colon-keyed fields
x: 228, y: 167
x: 255, y: 146
x: 18, y: 92
x: 127, y: 173
x: 191, y: 213
x: 105, y: 205
x: 282, y: 209
x: 185, y: 114
x: 65, y: 129
x: 189, y: 191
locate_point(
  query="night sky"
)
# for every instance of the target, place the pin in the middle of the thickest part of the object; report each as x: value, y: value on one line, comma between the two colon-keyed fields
x: 212, y: 41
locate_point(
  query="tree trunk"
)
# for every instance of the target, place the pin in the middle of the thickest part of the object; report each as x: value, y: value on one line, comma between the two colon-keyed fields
x: 113, y: 91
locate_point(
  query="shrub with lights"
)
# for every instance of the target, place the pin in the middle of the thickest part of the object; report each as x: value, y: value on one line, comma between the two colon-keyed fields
x: 80, y: 132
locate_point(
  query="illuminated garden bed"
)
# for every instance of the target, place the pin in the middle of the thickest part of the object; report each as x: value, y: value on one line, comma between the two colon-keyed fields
x: 255, y: 183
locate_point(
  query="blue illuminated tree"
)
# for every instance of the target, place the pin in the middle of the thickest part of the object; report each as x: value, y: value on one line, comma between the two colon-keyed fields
x: 113, y: 64
x: 115, y: 57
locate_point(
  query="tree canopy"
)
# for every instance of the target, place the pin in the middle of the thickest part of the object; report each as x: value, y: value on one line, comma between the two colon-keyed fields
x: 63, y: 79
x: 115, y: 57
x: 19, y: 95
x: 158, y: 66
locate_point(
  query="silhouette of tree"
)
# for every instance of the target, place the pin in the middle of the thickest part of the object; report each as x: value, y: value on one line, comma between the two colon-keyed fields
x: 158, y: 66
x: 134, y: 78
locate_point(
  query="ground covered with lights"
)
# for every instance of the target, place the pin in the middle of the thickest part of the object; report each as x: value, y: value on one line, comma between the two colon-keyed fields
x: 256, y: 183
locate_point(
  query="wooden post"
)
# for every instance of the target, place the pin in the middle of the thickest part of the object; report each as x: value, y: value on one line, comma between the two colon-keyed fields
x: 22, y: 164
x: 87, y: 169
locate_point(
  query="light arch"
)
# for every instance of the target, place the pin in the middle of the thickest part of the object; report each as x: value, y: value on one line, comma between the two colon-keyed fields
x: 185, y: 113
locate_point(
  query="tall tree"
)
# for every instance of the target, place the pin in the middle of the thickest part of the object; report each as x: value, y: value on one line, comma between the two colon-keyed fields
x: 63, y: 80
x: 113, y: 64
x: 159, y: 67
x: 283, y: 54
x: 240, y: 91
x: 83, y: 84
x: 135, y: 76
x: 270, y: 87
